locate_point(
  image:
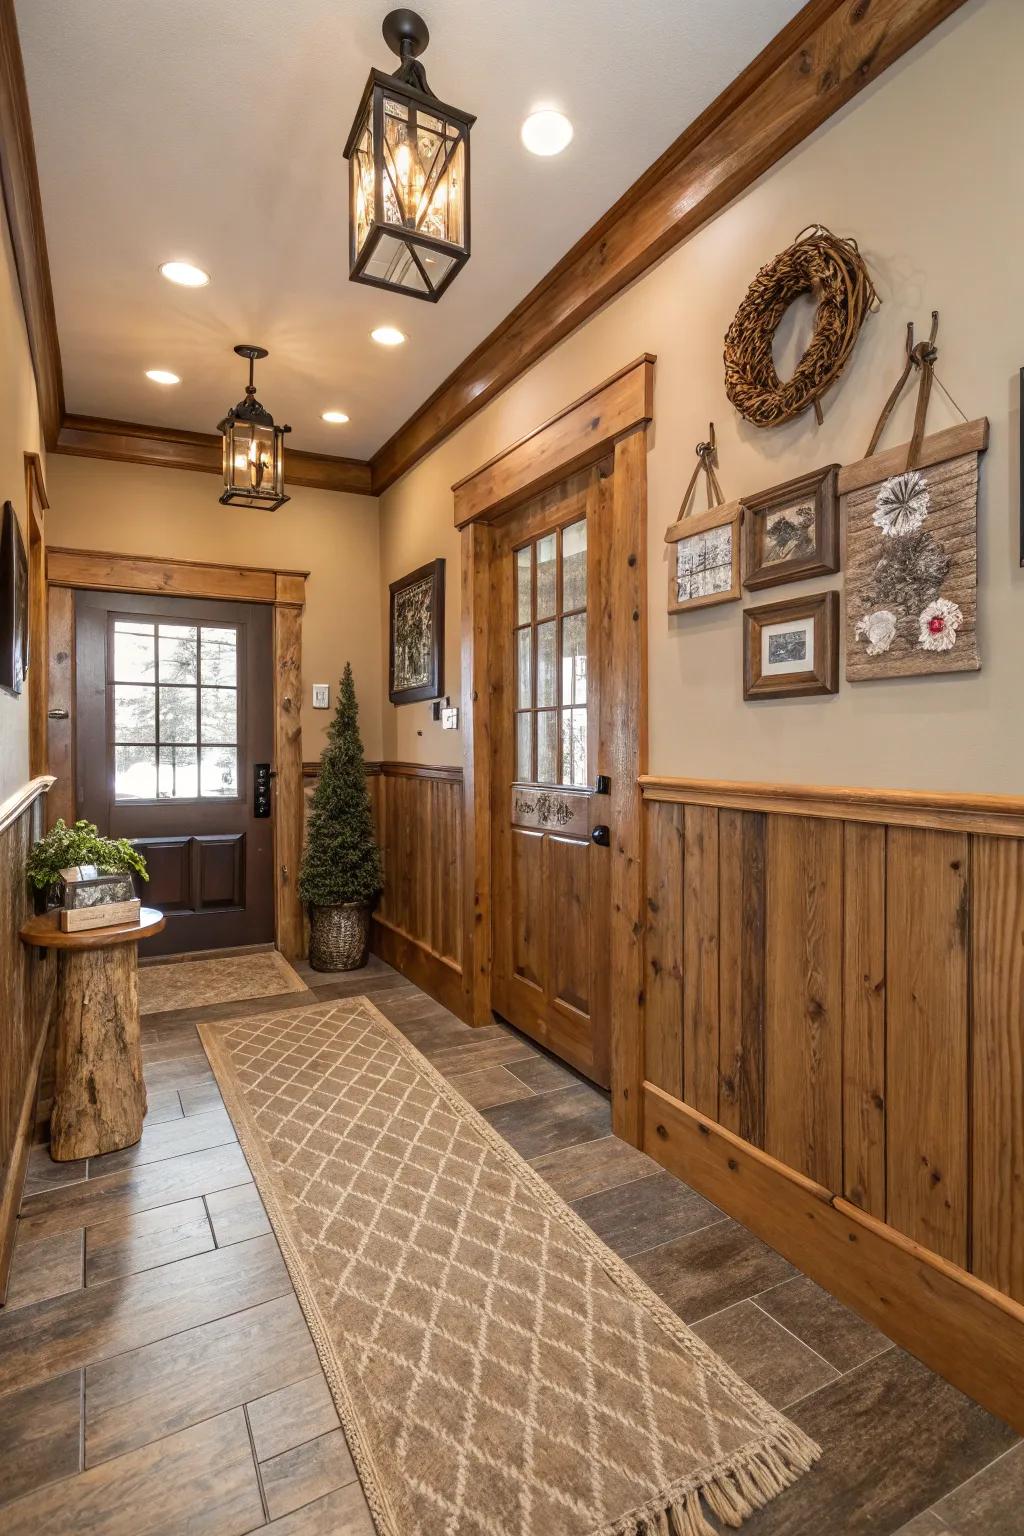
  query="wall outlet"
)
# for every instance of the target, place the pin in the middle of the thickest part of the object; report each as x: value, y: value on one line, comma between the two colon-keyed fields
x: 321, y: 695
x: 450, y: 719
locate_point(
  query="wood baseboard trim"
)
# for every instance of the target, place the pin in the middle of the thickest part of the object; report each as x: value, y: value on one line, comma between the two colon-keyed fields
x: 994, y: 815
x: 960, y: 1327
x: 433, y: 973
x: 14, y: 1180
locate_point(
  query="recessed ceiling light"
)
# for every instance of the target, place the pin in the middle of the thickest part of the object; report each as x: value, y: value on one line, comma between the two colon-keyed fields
x: 336, y: 418
x: 388, y: 336
x: 184, y: 274
x: 546, y: 132
x: 162, y: 376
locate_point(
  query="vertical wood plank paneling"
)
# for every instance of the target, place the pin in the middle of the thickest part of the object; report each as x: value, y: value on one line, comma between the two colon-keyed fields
x: 927, y: 917
x: 803, y: 1013
x: 663, y: 1031
x: 997, y: 1063
x: 864, y: 1018
x: 290, y: 804
x: 741, y: 901
x: 700, y: 959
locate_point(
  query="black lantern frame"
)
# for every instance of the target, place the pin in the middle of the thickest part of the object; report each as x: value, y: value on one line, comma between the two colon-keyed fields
x: 416, y: 250
x: 253, y: 449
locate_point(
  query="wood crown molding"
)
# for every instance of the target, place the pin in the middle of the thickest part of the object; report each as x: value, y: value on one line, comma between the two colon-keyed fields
x: 828, y: 53
x: 129, y: 442
x: 17, y: 804
x: 106, y: 572
x: 993, y: 815
x: 24, y: 207
x: 577, y: 436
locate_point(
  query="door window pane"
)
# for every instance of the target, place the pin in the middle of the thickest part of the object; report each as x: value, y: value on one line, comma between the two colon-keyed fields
x: 547, y: 746
x: 178, y: 715
x: 134, y: 651
x: 574, y: 659
x: 218, y: 771
x: 524, y: 746
x: 574, y: 566
x: 134, y: 713
x: 135, y: 773
x: 547, y: 680
x: 218, y: 720
x: 524, y: 569
x: 179, y: 773
x: 524, y: 668
x: 178, y: 653
x: 574, y: 746
x: 547, y: 564
x: 219, y: 654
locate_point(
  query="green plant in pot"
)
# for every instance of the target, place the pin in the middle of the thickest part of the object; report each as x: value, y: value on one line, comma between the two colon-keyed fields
x: 64, y: 846
x: 340, y: 878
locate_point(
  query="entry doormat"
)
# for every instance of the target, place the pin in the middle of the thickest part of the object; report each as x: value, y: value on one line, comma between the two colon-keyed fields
x: 498, y: 1371
x: 171, y: 984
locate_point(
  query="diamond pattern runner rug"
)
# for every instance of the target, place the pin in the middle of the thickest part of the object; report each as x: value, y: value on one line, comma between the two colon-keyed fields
x: 498, y: 1370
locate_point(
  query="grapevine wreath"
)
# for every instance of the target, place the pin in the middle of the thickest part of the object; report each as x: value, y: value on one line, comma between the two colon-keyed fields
x: 817, y: 262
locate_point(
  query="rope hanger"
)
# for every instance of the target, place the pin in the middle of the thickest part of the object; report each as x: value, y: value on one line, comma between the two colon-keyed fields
x: 707, y: 454
x: 923, y: 357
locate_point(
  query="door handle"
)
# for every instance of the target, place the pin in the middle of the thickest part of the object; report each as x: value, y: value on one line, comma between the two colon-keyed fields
x: 601, y: 836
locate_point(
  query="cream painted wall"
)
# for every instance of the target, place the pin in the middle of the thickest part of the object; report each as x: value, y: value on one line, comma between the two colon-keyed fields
x: 924, y: 169
x: 139, y: 510
x: 19, y: 434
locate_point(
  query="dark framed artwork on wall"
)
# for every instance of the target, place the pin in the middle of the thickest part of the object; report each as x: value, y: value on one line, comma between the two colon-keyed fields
x: 791, y: 648
x: 13, y: 603
x: 792, y: 530
x: 416, y: 635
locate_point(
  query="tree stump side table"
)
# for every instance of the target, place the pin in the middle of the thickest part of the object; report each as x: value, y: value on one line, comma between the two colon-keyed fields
x: 100, y: 1097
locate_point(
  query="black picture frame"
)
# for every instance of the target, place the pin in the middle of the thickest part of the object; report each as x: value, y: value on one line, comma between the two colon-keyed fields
x: 417, y: 600
x: 14, y: 656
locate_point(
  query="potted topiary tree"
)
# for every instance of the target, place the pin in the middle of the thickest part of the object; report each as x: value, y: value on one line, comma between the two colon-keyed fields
x: 340, y: 878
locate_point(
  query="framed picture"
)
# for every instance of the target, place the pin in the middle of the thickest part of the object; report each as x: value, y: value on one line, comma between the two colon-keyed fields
x: 792, y: 531
x: 416, y: 645
x: 13, y: 604
x: 704, y: 558
x: 791, y: 648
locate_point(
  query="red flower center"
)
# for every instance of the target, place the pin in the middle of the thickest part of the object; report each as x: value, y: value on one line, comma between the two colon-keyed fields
x: 937, y: 625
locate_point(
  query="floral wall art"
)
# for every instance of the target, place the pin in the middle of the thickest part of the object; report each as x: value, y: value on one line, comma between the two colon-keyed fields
x: 912, y: 566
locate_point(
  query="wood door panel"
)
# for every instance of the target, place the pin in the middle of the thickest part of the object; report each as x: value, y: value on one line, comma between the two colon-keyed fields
x: 169, y: 862
x: 221, y: 866
x: 529, y: 916
x: 568, y: 884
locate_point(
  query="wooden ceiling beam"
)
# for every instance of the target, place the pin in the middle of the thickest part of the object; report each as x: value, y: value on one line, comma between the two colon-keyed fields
x: 829, y: 52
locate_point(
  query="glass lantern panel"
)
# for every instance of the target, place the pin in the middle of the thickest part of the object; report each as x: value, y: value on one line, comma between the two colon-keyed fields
x: 423, y: 169
x: 253, y: 467
x: 391, y: 261
x: 361, y: 173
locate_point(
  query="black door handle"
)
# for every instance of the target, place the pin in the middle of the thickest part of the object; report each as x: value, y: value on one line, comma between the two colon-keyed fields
x: 601, y: 836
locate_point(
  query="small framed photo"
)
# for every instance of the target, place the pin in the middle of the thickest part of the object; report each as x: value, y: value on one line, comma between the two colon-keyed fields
x: 792, y: 531
x: 791, y: 648
x: 416, y: 635
x: 704, y: 558
x: 13, y: 603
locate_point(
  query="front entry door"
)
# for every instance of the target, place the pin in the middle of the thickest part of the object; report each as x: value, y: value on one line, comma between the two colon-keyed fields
x: 550, y: 895
x: 174, y: 711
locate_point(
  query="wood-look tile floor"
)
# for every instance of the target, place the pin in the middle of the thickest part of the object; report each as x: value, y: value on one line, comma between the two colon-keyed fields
x: 157, y: 1375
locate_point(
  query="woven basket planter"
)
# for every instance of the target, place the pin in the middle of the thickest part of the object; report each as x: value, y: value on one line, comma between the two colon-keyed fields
x: 339, y: 936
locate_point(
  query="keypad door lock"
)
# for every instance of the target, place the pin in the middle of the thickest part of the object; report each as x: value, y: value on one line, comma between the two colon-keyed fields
x: 261, y: 777
x: 601, y: 836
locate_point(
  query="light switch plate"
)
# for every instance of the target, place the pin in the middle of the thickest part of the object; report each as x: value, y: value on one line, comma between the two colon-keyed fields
x: 321, y: 695
x: 450, y: 719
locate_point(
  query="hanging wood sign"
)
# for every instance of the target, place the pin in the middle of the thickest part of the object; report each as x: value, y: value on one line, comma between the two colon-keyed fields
x: 911, y: 519
x: 704, y: 560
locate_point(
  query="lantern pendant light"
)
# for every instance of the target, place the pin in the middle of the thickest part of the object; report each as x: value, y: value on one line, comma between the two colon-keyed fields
x: 253, y: 449
x: 408, y: 158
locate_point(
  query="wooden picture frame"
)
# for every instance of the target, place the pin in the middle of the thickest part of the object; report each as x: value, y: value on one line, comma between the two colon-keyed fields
x: 725, y: 570
x: 14, y: 657
x: 780, y: 547
x: 416, y: 635
x: 806, y: 630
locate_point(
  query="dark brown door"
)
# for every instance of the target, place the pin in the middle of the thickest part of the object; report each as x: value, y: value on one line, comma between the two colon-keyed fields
x: 174, y: 710
x: 550, y: 897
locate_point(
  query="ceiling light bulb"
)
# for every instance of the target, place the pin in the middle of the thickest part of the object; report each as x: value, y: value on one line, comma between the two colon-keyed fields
x: 336, y: 418
x: 388, y: 336
x: 184, y: 274
x: 162, y: 376
x: 546, y: 132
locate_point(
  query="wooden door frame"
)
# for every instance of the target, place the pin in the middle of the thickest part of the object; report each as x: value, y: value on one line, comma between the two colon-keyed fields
x: 611, y: 419
x: 91, y: 570
x: 36, y: 507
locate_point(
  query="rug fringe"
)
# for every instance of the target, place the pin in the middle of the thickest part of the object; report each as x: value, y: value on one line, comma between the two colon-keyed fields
x: 732, y: 1493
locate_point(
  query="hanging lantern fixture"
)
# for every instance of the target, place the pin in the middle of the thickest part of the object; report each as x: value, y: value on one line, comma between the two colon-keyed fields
x: 253, y: 449
x: 408, y: 158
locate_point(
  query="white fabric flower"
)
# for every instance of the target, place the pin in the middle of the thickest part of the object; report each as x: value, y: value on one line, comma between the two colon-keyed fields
x: 901, y: 505
x: 878, y: 630
x: 938, y: 624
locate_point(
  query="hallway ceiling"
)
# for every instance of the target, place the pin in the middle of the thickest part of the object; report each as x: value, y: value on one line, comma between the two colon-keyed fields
x: 183, y: 129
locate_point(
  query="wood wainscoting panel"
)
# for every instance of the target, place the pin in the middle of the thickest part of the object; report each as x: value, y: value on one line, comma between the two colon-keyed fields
x: 847, y: 994
x: 418, y: 924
